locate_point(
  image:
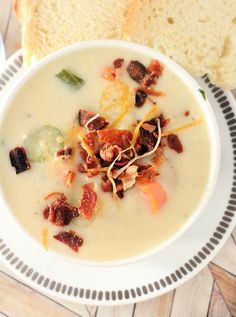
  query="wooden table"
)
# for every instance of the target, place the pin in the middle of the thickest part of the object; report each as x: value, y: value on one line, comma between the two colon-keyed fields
x: 210, y: 293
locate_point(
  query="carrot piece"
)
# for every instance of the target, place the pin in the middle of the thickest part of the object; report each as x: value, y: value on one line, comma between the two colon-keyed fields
x: 109, y: 73
x: 70, y: 176
x: 153, y: 193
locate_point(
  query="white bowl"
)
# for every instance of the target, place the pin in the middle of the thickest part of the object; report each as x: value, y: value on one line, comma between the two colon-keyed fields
x: 204, y: 105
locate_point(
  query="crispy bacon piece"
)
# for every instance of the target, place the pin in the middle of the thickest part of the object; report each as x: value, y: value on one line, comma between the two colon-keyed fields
x: 163, y: 121
x: 19, y: 159
x: 60, y: 213
x: 84, y: 116
x: 70, y: 238
x: 154, y: 71
x: 109, y: 152
x: 106, y: 184
x: 88, y: 200
x: 118, y: 63
x: 65, y: 153
x: 147, y: 139
x: 158, y: 157
x: 118, y: 137
x: 136, y: 70
x: 128, y: 177
x: 147, y: 173
x: 152, y: 92
x: 90, y: 139
x: 155, y: 68
x: 97, y: 124
x: 140, y: 98
x: 174, y: 143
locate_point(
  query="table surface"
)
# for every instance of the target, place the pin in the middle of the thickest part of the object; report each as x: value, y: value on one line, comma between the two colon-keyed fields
x: 212, y: 292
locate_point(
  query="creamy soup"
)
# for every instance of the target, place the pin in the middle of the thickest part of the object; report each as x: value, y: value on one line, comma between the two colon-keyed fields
x: 112, y: 154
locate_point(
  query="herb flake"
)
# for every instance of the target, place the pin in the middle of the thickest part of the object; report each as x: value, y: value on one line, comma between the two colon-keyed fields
x: 69, y: 78
x: 202, y: 92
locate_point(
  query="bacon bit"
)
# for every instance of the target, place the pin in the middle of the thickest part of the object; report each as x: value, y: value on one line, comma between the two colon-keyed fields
x: 153, y: 193
x: 149, y: 127
x: 90, y: 139
x: 85, y: 118
x: 147, y: 173
x: 59, y: 195
x: 106, y: 185
x: 70, y: 238
x: 118, y: 63
x: 121, y: 138
x: 120, y: 194
x: 186, y: 126
x: 109, y: 152
x: 97, y: 124
x: 140, y: 98
x: 136, y: 70
x: 163, y: 121
x: 153, y: 92
x: 60, y: 212
x: 109, y: 73
x: 174, y: 143
x: 186, y: 113
x: 88, y: 200
x: 66, y: 153
x: 19, y: 159
x: 45, y: 238
x: 147, y: 139
x: 148, y: 80
x: 121, y: 162
x: 155, y: 68
x: 128, y: 178
x: 70, y: 176
x: 158, y: 157
x: 91, y: 166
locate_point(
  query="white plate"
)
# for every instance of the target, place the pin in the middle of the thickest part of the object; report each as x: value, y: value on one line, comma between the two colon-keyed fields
x: 153, y: 276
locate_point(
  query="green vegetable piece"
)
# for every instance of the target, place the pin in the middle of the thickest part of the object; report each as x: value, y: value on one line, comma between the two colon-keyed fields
x: 69, y: 78
x: 42, y: 144
x: 202, y: 92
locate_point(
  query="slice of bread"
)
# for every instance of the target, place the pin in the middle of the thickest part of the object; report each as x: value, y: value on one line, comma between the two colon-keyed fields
x: 48, y: 25
x: 198, y: 34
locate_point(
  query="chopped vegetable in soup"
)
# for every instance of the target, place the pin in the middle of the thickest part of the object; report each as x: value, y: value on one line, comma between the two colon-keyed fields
x: 109, y: 161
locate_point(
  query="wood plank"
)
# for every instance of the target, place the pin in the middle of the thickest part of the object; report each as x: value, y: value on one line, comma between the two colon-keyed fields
x: 23, y: 299
x: 226, y: 258
x: 13, y: 36
x: 5, y: 13
x: 3, y: 315
x: 160, y: 306
x: 217, y: 307
x: 92, y: 310
x: 117, y: 311
x: 234, y: 235
x: 226, y: 283
x: 77, y: 308
x: 188, y: 296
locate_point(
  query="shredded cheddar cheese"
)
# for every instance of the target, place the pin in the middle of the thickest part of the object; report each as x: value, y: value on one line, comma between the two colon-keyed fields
x: 116, y: 101
x: 45, y: 238
x: 150, y: 115
x: 186, y: 126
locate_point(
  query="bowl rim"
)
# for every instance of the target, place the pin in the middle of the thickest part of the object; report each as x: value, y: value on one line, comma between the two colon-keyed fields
x: 207, y: 112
